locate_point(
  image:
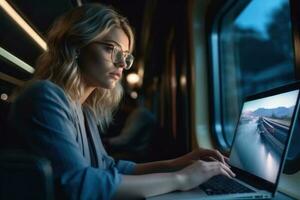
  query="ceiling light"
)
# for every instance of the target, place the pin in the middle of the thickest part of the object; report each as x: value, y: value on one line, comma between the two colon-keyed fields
x: 8, y: 56
x: 22, y: 23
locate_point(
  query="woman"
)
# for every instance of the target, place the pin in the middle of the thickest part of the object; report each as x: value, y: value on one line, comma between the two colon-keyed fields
x: 77, y: 86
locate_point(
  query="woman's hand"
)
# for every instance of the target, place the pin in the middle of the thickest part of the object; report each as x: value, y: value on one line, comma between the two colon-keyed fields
x: 199, y: 172
x: 198, y: 154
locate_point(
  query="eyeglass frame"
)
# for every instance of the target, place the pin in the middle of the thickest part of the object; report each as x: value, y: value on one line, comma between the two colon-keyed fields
x: 118, y: 48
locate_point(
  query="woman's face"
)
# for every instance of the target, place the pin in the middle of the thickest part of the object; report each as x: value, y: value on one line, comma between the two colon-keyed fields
x: 96, y: 59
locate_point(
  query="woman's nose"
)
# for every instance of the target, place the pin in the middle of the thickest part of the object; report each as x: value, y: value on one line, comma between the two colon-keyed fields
x: 122, y: 64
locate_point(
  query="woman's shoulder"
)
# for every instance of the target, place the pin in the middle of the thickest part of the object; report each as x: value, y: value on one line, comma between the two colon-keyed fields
x: 43, y: 86
x: 42, y: 89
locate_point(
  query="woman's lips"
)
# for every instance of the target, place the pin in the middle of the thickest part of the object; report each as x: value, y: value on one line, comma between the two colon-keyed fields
x: 115, y: 76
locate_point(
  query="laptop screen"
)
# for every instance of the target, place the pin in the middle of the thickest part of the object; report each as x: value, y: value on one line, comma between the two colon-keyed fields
x: 262, y: 133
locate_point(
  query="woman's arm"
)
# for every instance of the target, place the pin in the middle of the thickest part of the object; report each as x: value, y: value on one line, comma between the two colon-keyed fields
x: 180, y: 162
x: 142, y: 186
x: 153, y: 167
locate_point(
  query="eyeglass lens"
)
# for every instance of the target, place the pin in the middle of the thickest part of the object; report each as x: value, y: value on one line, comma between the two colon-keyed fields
x: 118, y: 57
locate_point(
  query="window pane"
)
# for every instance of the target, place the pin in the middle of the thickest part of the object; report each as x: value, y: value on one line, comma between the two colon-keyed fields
x: 256, y: 54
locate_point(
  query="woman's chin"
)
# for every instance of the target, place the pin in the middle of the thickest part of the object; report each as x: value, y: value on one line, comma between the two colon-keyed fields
x: 110, y: 85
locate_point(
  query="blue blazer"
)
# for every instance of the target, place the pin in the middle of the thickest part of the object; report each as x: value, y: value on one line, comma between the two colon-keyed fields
x: 45, y: 120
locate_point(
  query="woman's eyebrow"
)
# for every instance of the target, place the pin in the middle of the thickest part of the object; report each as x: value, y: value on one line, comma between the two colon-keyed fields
x: 116, y: 43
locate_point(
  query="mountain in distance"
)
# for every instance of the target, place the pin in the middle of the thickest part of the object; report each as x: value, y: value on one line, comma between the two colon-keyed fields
x: 277, y: 112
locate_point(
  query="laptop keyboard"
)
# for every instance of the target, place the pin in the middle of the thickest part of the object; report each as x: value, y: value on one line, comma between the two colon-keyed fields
x: 223, y: 185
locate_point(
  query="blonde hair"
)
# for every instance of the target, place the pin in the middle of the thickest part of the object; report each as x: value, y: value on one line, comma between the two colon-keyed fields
x: 68, y: 35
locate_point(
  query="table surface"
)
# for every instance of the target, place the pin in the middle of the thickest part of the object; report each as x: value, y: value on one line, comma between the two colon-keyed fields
x: 281, y: 196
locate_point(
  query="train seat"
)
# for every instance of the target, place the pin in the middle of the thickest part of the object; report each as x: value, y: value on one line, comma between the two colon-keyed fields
x: 22, y: 175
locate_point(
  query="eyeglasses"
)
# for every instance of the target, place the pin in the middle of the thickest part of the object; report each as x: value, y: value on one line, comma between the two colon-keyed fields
x: 119, y: 56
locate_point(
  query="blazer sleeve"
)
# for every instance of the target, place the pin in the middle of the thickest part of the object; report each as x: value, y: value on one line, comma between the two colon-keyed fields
x: 125, y: 167
x: 41, y: 115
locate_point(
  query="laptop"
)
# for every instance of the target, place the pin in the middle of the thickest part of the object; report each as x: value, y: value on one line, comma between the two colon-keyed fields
x: 258, y: 151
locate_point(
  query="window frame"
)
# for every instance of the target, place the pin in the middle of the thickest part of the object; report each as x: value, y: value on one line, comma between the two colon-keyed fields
x: 214, y: 55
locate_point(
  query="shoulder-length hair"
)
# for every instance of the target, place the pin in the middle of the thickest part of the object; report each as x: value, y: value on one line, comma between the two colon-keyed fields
x: 71, y: 32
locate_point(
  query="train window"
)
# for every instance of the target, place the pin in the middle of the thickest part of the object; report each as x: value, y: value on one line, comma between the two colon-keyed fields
x: 255, y: 54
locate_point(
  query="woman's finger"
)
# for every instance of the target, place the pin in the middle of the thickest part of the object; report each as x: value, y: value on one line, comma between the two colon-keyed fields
x: 209, y: 158
x: 218, y: 168
x: 224, y: 172
x: 226, y: 159
x: 214, y: 159
x: 217, y: 155
x: 228, y: 170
